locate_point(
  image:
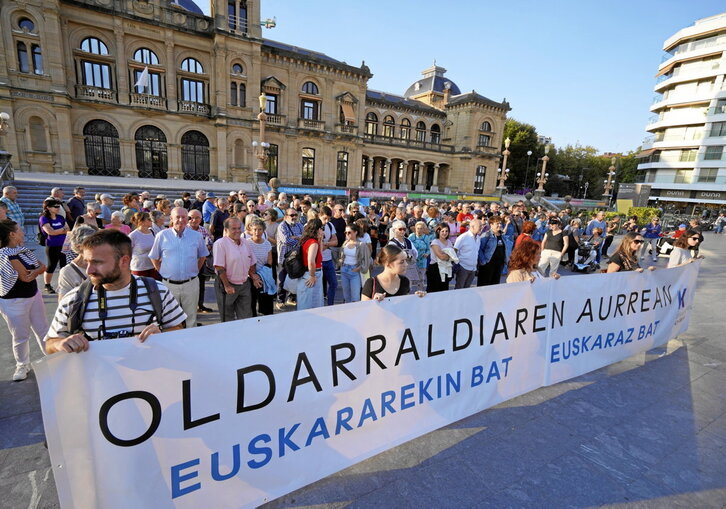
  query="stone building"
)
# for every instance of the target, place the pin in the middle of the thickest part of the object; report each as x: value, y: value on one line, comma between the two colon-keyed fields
x: 157, y: 89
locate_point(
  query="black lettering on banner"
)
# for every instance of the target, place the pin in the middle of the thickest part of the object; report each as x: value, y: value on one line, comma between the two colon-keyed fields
x: 241, y: 407
x: 586, y: 311
x: 522, y: 314
x: 402, y: 349
x: 190, y: 423
x: 431, y: 352
x: 339, y: 364
x: 153, y: 426
x: 373, y: 354
x: 302, y: 358
x: 456, y: 347
x: 645, y: 299
x: 500, y: 327
x: 538, y: 317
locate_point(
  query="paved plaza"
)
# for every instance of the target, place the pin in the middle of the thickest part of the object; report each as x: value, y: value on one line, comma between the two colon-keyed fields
x: 646, y: 432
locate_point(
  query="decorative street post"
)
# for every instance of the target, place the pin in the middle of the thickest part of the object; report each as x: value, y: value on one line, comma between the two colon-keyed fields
x: 526, y: 173
x: 542, y: 176
x: 609, y: 183
x: 503, y: 175
x: 260, y: 148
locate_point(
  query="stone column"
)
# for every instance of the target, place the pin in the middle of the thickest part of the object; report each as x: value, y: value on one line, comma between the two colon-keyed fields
x: 122, y: 80
x: 369, y: 173
x: 387, y: 166
x: 170, y: 75
x: 435, y: 185
x: 420, y: 177
x: 404, y: 180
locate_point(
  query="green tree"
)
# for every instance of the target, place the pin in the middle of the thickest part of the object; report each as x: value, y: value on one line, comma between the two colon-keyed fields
x: 523, y: 138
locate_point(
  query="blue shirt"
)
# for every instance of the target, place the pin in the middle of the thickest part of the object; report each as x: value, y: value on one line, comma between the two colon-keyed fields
x: 207, y: 210
x: 178, y: 255
x: 596, y: 224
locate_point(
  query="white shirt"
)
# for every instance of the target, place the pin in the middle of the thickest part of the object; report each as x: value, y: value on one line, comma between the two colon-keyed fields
x: 467, y: 247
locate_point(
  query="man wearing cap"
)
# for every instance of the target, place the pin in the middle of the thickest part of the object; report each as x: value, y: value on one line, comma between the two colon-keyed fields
x: 178, y: 254
x: 208, y: 208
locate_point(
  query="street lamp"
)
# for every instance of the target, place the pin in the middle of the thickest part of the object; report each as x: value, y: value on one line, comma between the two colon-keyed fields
x: 526, y: 173
x: 260, y: 148
x: 503, y: 176
x: 506, y: 152
x: 542, y: 176
x: 610, y: 182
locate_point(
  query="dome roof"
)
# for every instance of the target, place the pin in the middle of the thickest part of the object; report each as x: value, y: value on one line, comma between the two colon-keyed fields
x: 433, y: 80
x: 189, y: 5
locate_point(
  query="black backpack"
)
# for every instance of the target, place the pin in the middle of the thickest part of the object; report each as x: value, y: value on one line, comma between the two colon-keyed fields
x: 293, y: 263
x: 77, y: 308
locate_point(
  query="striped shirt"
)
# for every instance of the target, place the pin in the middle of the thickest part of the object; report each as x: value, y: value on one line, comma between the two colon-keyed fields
x: 14, y: 211
x: 120, y: 318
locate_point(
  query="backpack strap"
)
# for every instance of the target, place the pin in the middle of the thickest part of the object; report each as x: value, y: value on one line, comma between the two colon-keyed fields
x: 78, y: 271
x: 77, y: 308
x: 154, y: 296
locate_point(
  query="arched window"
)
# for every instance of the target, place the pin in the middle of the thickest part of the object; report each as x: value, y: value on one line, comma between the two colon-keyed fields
x: 341, y: 172
x: 435, y: 133
x: 103, y: 153
x: 192, y: 65
x: 420, y: 131
x: 405, y: 129
x: 26, y: 25
x: 486, y: 127
x: 308, y: 166
x: 195, y: 156
x: 94, y: 45
x: 238, y: 87
x: 310, y: 88
x: 23, y: 64
x: 237, y: 69
x: 372, y: 124
x: 389, y: 126
x: 151, y: 157
x: 38, y: 139
x: 146, y: 56
x: 95, y: 73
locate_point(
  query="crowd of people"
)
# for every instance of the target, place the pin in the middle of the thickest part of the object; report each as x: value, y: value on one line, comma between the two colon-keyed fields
x: 143, y: 268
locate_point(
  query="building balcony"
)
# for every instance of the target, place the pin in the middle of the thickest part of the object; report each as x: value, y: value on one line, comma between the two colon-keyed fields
x: 274, y: 119
x: 486, y: 149
x: 194, y: 107
x: 401, y: 142
x: 307, y: 123
x: 688, y: 74
x: 95, y: 93
x: 147, y: 101
x: 347, y: 129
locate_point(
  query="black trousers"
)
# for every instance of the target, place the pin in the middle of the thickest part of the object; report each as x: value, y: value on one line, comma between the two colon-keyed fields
x: 55, y: 258
x: 489, y: 274
x: 606, y: 245
x: 261, y: 302
x: 433, y: 279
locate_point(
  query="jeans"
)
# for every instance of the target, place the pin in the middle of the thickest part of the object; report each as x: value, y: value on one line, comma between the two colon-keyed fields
x: 351, y: 283
x: 330, y: 279
x: 653, y: 246
x: 308, y: 298
x: 23, y: 317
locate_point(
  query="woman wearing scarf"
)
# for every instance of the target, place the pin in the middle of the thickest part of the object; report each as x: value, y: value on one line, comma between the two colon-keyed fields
x: 21, y: 304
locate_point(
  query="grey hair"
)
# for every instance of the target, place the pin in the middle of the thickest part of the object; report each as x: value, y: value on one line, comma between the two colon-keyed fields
x: 79, y: 234
x: 93, y: 205
x: 118, y: 214
x: 398, y: 224
x: 178, y: 202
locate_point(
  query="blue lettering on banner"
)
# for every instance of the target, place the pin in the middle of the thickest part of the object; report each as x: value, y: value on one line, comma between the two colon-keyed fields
x: 574, y: 347
x: 681, y: 298
x: 177, y: 478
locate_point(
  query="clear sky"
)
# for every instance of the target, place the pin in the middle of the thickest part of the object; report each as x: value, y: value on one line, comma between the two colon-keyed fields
x: 580, y: 71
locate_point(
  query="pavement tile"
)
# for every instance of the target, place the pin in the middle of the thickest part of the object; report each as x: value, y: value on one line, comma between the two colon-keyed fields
x: 18, y: 460
x: 24, y: 429
x: 30, y: 489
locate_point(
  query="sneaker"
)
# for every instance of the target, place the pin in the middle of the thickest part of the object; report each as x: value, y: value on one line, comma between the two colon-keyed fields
x: 49, y: 289
x: 655, y: 259
x: 21, y: 372
x: 204, y: 309
x: 279, y: 305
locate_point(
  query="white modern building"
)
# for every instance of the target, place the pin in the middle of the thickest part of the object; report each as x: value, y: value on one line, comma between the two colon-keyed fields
x: 684, y: 160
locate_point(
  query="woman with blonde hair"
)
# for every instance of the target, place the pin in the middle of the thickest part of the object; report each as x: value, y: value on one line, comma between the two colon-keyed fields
x: 354, y: 260
x: 142, y: 240
x: 626, y: 256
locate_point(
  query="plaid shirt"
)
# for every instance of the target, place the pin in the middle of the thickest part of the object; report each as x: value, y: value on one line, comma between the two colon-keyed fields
x: 14, y: 211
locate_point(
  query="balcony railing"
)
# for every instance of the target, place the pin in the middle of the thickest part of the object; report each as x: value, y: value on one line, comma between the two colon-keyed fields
x: 237, y: 23
x: 717, y: 110
x: 347, y: 129
x: 275, y: 119
x: 194, y: 107
x: 306, y: 123
x: 95, y: 93
x: 389, y: 140
x: 148, y: 100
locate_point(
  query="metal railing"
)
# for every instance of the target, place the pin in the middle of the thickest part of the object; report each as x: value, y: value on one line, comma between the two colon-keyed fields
x: 194, y: 107
x: 390, y: 140
x: 96, y: 93
x: 237, y: 23
x: 153, y: 101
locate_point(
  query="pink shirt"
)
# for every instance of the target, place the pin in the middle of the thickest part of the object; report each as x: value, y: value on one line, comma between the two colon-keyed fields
x: 124, y: 228
x: 235, y: 258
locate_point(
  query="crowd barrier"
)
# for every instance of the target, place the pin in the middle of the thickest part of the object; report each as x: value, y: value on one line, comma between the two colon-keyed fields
x: 240, y: 413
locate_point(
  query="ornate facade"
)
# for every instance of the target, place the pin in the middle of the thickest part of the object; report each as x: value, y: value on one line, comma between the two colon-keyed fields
x: 156, y: 89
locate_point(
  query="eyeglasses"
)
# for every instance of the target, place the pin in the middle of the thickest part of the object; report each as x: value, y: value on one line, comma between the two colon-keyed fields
x: 638, y: 241
x: 54, y: 206
x: 401, y: 229
x: 243, y: 210
x: 695, y: 238
x: 348, y: 233
x: 292, y: 215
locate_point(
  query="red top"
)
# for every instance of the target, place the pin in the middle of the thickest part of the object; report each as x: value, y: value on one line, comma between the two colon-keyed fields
x: 460, y: 218
x: 318, y: 257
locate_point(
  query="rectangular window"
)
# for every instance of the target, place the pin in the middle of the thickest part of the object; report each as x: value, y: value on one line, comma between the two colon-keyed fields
x: 271, y: 106
x: 683, y: 177
x: 308, y: 166
x: 707, y: 174
x: 718, y: 129
x: 484, y: 140
x: 341, y: 173
x: 713, y: 153
x: 481, y: 172
x: 309, y: 110
x: 271, y: 165
x: 688, y: 155
x: 37, y: 59
x: 242, y: 95
x: 154, y: 86
x: 23, y: 57
x: 96, y: 75
x: 192, y: 90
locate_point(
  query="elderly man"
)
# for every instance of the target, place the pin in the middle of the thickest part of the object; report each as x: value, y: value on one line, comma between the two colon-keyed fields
x: 288, y: 236
x: 178, y: 254
x: 467, y: 248
x: 57, y: 194
x: 208, y: 208
x: 200, y: 198
x: 235, y: 264
x: 76, y: 205
x: 106, y: 204
x: 218, y: 217
x: 207, y: 270
x: 10, y: 195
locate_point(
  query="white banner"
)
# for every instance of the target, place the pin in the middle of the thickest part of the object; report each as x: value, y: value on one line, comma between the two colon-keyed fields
x: 236, y: 414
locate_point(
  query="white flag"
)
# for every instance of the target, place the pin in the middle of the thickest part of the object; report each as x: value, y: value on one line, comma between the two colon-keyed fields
x: 143, y: 82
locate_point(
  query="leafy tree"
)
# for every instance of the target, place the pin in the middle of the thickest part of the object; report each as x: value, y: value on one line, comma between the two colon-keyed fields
x: 523, y: 138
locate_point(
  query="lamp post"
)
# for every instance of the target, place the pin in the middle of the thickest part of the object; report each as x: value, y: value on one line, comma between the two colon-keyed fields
x: 542, y: 176
x: 526, y: 173
x: 503, y: 175
x: 260, y: 148
x: 610, y: 182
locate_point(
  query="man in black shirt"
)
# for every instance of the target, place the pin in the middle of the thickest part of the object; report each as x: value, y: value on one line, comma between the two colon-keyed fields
x: 76, y: 204
x: 338, y: 221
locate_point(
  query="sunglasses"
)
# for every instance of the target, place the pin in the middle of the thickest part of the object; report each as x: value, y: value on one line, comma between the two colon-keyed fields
x: 292, y: 215
x: 695, y: 238
x: 55, y: 206
x: 401, y: 229
x: 638, y: 241
x: 348, y: 232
